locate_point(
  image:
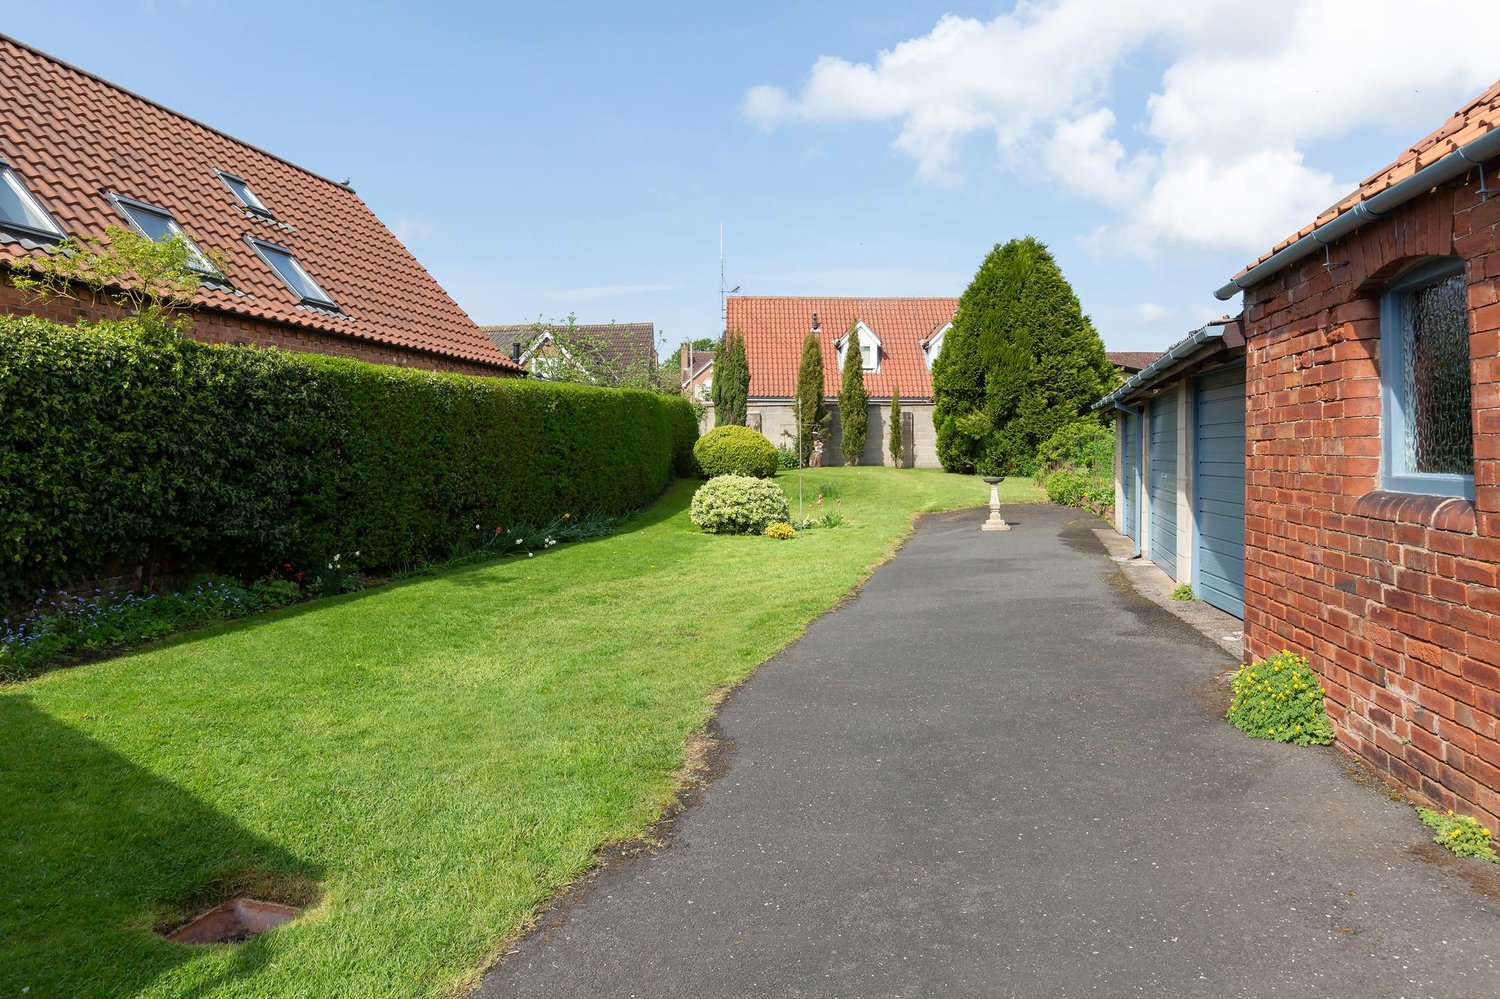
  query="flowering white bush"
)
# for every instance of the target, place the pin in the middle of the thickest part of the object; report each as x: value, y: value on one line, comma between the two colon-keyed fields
x: 738, y: 504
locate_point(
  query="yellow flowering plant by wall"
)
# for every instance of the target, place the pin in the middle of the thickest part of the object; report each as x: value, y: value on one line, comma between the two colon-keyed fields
x: 1461, y: 834
x: 1281, y: 699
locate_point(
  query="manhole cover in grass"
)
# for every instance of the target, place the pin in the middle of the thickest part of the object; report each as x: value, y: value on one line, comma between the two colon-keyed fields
x: 234, y: 921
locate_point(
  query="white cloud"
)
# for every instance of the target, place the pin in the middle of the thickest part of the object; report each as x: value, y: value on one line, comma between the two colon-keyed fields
x: 414, y: 228
x: 1150, y: 312
x: 1215, y: 157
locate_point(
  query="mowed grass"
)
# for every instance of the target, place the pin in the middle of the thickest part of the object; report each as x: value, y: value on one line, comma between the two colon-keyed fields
x: 435, y: 757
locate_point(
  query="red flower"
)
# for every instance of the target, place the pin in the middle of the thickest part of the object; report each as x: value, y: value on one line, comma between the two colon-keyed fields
x: 499, y: 529
x: 298, y: 577
x: 287, y: 567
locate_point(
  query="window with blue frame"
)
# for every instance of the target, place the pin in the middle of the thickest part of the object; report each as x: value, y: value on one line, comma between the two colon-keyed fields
x: 1427, y: 424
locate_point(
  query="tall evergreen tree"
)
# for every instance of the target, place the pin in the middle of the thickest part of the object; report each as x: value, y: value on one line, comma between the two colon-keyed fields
x: 1020, y: 361
x: 813, y: 411
x: 731, y: 391
x: 894, y: 436
x: 854, y: 417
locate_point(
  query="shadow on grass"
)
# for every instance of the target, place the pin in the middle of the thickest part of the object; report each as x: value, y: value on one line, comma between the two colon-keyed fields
x: 96, y: 853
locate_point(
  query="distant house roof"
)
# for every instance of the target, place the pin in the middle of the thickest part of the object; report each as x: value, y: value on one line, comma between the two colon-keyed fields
x: 75, y: 139
x: 615, y: 346
x: 696, y: 362
x: 1472, y: 121
x: 1131, y: 361
x: 775, y: 328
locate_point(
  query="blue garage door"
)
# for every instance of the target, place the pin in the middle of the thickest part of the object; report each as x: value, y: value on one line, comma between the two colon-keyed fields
x: 1163, y: 481
x: 1219, y: 504
x: 1130, y: 471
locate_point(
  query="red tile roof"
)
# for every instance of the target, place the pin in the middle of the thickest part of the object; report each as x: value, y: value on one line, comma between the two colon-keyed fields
x: 72, y: 138
x: 1475, y: 119
x: 775, y: 327
x: 1131, y: 361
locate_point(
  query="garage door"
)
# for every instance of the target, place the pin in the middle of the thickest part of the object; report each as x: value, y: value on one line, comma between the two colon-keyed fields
x: 1130, y: 470
x: 1219, y: 506
x: 1163, y: 481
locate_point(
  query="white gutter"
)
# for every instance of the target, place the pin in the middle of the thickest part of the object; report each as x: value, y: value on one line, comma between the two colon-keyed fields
x: 1455, y: 164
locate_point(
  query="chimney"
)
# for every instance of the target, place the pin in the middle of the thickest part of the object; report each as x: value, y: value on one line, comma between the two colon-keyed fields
x: 515, y: 351
x: 687, y: 364
x: 815, y: 327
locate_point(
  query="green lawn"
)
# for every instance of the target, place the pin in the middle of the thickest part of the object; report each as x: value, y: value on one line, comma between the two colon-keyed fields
x: 434, y: 757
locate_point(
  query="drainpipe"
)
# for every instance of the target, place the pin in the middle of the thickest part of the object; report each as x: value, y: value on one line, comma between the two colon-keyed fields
x: 1454, y: 165
x: 1129, y: 411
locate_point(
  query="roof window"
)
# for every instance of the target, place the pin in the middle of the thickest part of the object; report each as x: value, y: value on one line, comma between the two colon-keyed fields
x: 240, y: 188
x: 158, y: 225
x: 20, y: 211
x: 292, y: 273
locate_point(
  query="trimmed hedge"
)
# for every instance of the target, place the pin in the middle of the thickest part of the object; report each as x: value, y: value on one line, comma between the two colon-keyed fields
x: 128, y: 445
x: 736, y: 450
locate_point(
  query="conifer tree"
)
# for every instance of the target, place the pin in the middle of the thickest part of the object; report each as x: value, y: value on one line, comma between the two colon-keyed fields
x: 731, y: 391
x: 895, y: 429
x: 1020, y: 361
x: 813, y: 411
x: 853, y: 402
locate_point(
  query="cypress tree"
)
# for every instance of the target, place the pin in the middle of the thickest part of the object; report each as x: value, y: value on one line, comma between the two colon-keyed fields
x: 814, y: 413
x: 731, y: 391
x: 895, y: 430
x: 853, y: 403
x: 1020, y: 361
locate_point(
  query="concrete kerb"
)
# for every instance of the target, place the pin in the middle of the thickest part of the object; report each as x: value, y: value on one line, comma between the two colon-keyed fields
x: 1224, y: 630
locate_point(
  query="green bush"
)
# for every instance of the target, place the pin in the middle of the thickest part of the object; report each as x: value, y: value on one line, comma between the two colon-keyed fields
x: 786, y: 457
x: 735, y: 450
x: 1281, y: 699
x: 1084, y: 444
x: 129, y: 445
x: 1461, y: 834
x: 738, y: 504
x: 1183, y: 592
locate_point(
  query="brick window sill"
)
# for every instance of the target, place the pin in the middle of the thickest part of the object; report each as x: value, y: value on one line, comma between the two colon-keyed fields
x: 1441, y: 513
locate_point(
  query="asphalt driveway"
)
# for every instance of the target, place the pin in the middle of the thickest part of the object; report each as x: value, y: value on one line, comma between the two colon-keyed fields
x: 999, y: 772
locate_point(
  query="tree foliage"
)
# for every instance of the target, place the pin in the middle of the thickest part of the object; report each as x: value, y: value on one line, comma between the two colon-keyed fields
x: 812, y: 411
x: 587, y: 356
x: 894, y: 431
x: 1021, y: 361
x: 853, y: 402
x: 731, y: 391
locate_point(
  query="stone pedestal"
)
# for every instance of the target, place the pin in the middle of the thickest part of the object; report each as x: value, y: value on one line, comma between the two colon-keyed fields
x: 996, y: 522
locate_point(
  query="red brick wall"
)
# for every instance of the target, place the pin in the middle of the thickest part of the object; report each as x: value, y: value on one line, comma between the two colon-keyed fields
x: 1394, y: 598
x: 218, y: 327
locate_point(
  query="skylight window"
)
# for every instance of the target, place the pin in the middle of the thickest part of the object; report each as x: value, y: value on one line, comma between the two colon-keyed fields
x: 291, y: 271
x: 20, y: 211
x: 240, y: 188
x: 158, y: 225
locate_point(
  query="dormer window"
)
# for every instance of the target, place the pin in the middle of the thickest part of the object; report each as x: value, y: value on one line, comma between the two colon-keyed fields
x: 869, y: 348
x: 158, y: 225
x: 20, y: 212
x: 240, y: 188
x: 292, y: 273
x: 934, y: 345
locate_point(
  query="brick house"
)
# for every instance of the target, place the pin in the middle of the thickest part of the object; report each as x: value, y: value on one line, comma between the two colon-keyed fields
x: 696, y: 373
x: 1373, y: 460
x: 605, y: 352
x: 308, y: 266
x: 899, y: 340
x: 1369, y: 473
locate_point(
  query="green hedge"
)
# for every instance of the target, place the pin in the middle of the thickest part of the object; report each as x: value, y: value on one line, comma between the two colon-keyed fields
x: 125, y: 446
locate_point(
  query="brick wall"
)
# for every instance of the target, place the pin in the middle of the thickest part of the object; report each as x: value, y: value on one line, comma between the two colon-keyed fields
x: 218, y: 327
x: 1394, y: 598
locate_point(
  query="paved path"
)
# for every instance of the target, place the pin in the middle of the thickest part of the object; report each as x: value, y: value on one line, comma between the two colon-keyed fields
x: 998, y: 772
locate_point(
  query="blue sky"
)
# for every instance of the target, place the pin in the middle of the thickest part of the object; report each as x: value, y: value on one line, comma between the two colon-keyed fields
x: 543, y: 159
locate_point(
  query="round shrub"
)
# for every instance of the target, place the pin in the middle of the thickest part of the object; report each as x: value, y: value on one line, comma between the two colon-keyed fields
x: 735, y: 450
x: 781, y: 531
x: 1281, y: 699
x: 738, y: 504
